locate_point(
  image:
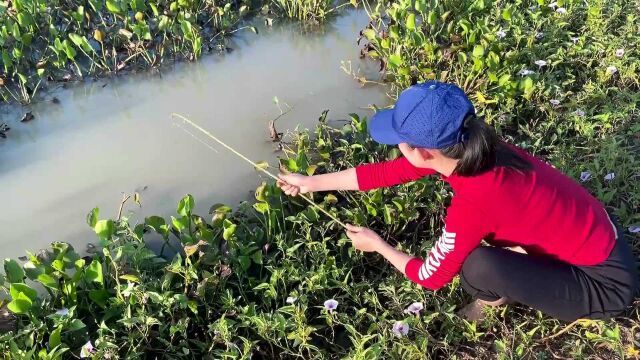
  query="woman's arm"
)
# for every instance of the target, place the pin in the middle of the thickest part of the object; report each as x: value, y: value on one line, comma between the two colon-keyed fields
x: 364, y: 177
x: 293, y: 184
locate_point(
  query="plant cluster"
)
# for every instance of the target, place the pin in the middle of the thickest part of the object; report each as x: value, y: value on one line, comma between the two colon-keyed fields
x: 58, y: 41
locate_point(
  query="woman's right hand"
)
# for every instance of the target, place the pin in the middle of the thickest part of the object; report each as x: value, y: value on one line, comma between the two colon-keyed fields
x: 294, y: 184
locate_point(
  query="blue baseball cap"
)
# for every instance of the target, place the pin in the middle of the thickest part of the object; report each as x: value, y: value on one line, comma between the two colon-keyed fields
x: 429, y: 115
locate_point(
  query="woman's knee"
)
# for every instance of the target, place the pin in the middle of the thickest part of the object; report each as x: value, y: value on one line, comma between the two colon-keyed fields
x: 480, y: 267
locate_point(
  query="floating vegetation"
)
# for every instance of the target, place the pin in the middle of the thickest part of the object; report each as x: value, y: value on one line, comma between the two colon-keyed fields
x: 55, y: 41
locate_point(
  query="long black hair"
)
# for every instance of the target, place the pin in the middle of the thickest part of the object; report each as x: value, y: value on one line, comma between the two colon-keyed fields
x: 481, y: 150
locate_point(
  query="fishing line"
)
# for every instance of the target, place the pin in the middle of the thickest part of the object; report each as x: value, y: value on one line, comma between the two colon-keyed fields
x: 255, y: 165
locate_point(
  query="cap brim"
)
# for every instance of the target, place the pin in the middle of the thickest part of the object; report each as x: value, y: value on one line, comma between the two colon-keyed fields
x: 381, y: 128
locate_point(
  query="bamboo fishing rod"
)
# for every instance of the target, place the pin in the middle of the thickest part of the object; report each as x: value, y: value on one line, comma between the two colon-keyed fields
x: 255, y: 165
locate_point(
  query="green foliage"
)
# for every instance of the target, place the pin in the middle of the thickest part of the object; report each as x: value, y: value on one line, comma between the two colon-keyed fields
x: 62, y: 40
x: 252, y: 282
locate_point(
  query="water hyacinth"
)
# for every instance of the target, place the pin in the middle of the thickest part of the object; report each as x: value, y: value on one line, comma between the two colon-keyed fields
x: 634, y: 229
x: 610, y: 176
x: 400, y: 329
x: 540, y: 63
x: 579, y: 113
x: 525, y: 72
x: 539, y: 35
x: 501, y: 34
x: 414, y: 308
x: 87, y: 350
x: 553, y: 5
x: 331, y: 305
x: 291, y: 299
x: 612, y: 70
x: 561, y: 10
x: 63, y: 312
x: 584, y: 176
x: 620, y: 53
x: 554, y: 102
x: 574, y: 39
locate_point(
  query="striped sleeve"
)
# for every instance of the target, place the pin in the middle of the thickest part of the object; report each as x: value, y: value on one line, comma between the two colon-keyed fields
x: 462, y: 233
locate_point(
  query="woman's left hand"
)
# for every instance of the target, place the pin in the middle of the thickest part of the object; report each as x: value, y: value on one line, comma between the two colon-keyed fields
x: 364, y: 239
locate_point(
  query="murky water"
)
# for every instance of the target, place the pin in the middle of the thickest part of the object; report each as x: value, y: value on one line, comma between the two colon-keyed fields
x: 101, y: 141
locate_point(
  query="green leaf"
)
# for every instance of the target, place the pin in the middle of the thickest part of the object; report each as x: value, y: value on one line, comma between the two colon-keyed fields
x: 20, y: 304
x: 163, y: 24
x: 506, y: 14
x: 130, y: 277
x: 261, y: 207
x: 32, y: 270
x: 244, y: 261
x: 69, y: 50
x: 411, y: 21
x: 92, y: 217
x: 55, y: 337
x: 25, y: 19
x: 14, y: 271
x: 94, y: 272
x: 421, y: 6
x: 76, y: 39
x: 113, y: 7
x: 181, y: 223
x: 229, y: 230
x: 478, y: 51
x: 154, y: 222
x: 48, y: 281
x: 100, y: 297
x: 432, y: 18
x: 105, y: 229
x: 186, y: 205
x: 76, y: 324
x: 21, y: 288
x: 370, y: 34
x: 396, y: 60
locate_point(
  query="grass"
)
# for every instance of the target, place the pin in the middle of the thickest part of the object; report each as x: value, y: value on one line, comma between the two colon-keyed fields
x: 221, y: 286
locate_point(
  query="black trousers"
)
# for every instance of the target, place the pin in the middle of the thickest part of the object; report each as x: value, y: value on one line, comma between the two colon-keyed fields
x: 558, y: 289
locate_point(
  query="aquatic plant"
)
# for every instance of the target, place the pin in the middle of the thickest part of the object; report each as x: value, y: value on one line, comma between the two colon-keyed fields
x: 57, y: 41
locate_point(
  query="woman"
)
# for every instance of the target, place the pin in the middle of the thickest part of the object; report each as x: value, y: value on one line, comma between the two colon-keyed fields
x: 570, y: 262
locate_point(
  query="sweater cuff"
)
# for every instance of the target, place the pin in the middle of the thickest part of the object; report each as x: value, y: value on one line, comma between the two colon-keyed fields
x: 412, y: 269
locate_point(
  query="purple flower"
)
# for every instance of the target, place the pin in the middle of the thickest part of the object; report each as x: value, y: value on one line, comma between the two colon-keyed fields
x: 574, y: 39
x: 620, y: 53
x: 584, y: 176
x: 400, y: 329
x: 561, y: 10
x: 610, y: 176
x: 533, y: 8
x: 63, y: 312
x: 579, y: 113
x: 539, y: 35
x: 292, y: 299
x: 525, y: 72
x: 331, y: 305
x: 634, y: 229
x: 612, y: 70
x: 553, y: 5
x: 87, y: 350
x: 541, y: 63
x: 414, y: 308
x: 554, y: 102
x: 501, y: 34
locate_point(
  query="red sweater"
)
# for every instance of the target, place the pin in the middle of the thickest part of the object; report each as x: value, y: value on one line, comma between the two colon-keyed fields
x: 542, y: 210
